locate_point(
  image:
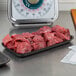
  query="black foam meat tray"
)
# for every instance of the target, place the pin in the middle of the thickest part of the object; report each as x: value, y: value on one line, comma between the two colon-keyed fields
x: 38, y: 51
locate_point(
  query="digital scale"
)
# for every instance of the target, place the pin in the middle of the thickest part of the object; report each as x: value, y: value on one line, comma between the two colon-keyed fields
x: 32, y: 12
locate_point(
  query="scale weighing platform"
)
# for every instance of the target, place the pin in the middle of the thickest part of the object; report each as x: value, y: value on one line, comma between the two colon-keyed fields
x: 32, y: 12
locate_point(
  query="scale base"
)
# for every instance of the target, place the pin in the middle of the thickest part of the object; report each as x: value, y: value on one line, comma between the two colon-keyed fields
x: 32, y: 25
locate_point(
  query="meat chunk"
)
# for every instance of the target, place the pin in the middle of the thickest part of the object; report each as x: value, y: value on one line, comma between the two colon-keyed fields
x: 60, y: 35
x: 27, y: 35
x: 39, y: 45
x: 16, y: 44
x: 48, y: 36
x: 51, y: 42
x: 10, y: 45
x: 54, y: 41
x: 12, y: 36
x: 24, y: 47
x: 44, y: 29
x: 58, y: 28
x: 6, y: 39
x: 19, y: 37
x: 38, y: 38
x: 61, y: 32
x: 35, y: 33
x: 57, y: 40
x: 67, y: 35
x: 64, y: 37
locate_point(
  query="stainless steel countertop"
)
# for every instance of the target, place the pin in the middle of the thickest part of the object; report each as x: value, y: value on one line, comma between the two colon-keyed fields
x: 42, y: 64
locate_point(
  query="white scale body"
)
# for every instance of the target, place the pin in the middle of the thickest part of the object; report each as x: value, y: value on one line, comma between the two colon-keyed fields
x: 32, y: 12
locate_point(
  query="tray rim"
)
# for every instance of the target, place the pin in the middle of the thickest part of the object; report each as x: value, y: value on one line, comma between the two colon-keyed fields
x: 37, y: 51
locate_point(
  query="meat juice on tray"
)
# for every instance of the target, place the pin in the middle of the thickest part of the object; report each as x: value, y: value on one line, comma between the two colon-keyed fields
x: 42, y: 38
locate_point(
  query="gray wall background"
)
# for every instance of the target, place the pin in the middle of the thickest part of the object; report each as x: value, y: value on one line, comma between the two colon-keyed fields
x: 3, y: 5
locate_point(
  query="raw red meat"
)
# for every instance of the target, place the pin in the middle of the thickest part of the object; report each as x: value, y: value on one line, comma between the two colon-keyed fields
x: 51, y: 42
x: 67, y: 35
x: 44, y: 37
x: 39, y: 45
x: 16, y: 44
x: 13, y: 35
x: 35, y: 33
x: 19, y: 37
x: 24, y: 47
x: 63, y: 36
x: 6, y: 39
x: 38, y: 38
x: 27, y: 35
x: 54, y: 41
x: 60, y: 35
x: 57, y: 40
x: 61, y: 32
x: 30, y: 40
x: 44, y: 30
x: 48, y: 36
x: 10, y: 45
x: 58, y: 28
